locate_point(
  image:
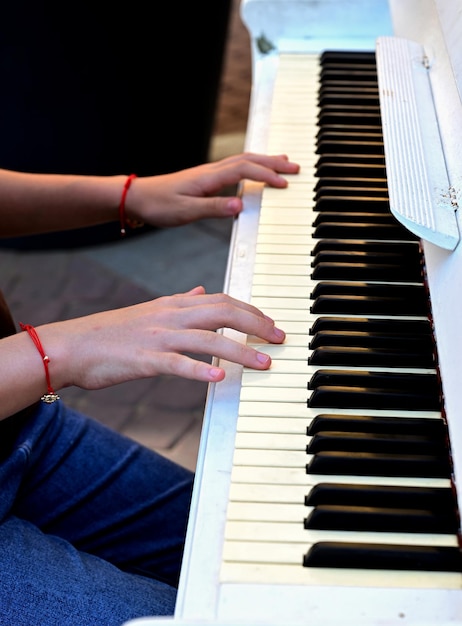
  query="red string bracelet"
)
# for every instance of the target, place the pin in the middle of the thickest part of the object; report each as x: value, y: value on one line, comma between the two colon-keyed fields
x: 50, y: 396
x: 122, y: 217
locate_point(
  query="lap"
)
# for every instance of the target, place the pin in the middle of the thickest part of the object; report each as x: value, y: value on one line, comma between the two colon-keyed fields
x: 46, y: 581
x: 103, y: 495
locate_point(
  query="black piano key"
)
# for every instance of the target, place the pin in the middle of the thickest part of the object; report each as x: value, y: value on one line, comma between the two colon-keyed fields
x: 430, y: 427
x: 364, y: 298
x: 374, y: 398
x: 365, y: 339
x: 375, y: 442
x: 352, y: 203
x: 338, y: 463
x: 384, y: 557
x: 351, y: 75
x: 357, y: 356
x: 363, y: 288
x: 349, y: 119
x: 379, y: 519
x: 360, y: 160
x: 366, y: 97
x: 366, y: 305
x: 356, y: 254
x: 364, y: 230
x: 430, y: 498
x: 334, y: 134
x: 331, y: 270
x: 415, y: 293
x: 351, y: 181
x: 346, y: 57
x: 420, y: 383
x: 405, y: 249
x: 353, y: 217
x: 328, y: 146
x: 383, y: 326
x: 335, y: 170
x: 367, y: 193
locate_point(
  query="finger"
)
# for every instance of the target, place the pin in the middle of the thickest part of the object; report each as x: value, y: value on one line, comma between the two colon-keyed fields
x: 225, y: 312
x: 199, y: 290
x: 193, y: 369
x: 216, y: 206
x: 234, y: 174
x: 215, y: 345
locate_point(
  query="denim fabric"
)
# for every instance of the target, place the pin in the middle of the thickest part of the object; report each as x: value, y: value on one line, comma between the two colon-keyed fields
x: 92, y: 525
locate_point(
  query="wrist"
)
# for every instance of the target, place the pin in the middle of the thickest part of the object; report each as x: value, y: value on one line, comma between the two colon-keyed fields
x: 124, y: 219
x: 50, y: 396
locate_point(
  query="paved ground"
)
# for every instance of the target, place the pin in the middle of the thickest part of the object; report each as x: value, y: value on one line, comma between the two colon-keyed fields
x: 165, y: 413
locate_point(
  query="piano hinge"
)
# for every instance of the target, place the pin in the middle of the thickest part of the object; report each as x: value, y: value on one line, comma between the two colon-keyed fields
x: 264, y: 45
x: 453, y: 197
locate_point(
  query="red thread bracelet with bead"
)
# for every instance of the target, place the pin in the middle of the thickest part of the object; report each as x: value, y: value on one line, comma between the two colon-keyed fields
x: 122, y: 217
x: 51, y: 395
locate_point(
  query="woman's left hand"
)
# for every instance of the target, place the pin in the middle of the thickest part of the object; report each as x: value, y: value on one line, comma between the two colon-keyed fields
x: 188, y: 195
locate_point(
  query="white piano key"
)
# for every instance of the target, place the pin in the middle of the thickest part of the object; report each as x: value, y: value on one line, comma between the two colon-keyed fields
x: 274, y: 215
x: 282, y: 476
x: 271, y: 458
x: 294, y: 409
x: 294, y: 292
x: 268, y: 511
x: 256, y: 531
x: 284, y: 366
x: 295, y: 425
x: 293, y: 214
x: 264, y: 303
x: 244, y: 492
x: 255, y: 378
x: 287, y: 239
x: 273, y: 229
x: 274, y: 274
x: 276, y: 409
x: 272, y: 441
x: 280, y: 574
x: 277, y: 394
x: 288, y: 259
x: 291, y: 340
x: 302, y: 190
x: 289, y: 425
x: 280, y: 248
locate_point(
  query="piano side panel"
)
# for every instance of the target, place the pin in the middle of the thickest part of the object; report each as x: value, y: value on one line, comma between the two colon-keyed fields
x: 438, y: 27
x: 199, y: 589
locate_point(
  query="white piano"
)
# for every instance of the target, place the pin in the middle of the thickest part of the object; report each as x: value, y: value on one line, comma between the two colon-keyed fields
x: 265, y: 546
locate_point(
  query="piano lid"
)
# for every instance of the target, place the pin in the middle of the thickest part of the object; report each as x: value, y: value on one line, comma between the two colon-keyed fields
x: 421, y: 195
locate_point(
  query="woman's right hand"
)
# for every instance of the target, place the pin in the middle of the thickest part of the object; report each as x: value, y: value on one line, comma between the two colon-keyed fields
x: 152, y: 338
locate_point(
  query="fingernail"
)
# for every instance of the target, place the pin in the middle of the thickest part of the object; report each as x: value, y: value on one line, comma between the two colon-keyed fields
x: 263, y: 358
x: 280, y: 334
x: 233, y: 205
x: 215, y: 372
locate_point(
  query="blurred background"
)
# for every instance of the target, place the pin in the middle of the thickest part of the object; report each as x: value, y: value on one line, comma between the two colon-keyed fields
x: 101, y: 91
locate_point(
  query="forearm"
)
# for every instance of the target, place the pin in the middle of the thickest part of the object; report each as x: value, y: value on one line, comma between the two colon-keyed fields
x: 37, y: 203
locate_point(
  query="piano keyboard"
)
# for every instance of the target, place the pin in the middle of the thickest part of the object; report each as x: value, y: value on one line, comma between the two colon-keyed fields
x: 341, y: 472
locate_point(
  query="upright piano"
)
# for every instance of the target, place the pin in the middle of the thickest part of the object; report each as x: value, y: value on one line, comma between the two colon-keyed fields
x: 326, y: 488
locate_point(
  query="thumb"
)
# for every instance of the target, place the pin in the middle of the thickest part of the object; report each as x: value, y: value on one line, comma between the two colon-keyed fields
x: 195, y: 291
x: 218, y: 206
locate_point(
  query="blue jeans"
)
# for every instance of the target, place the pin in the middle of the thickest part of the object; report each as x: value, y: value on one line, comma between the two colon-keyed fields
x: 92, y: 525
